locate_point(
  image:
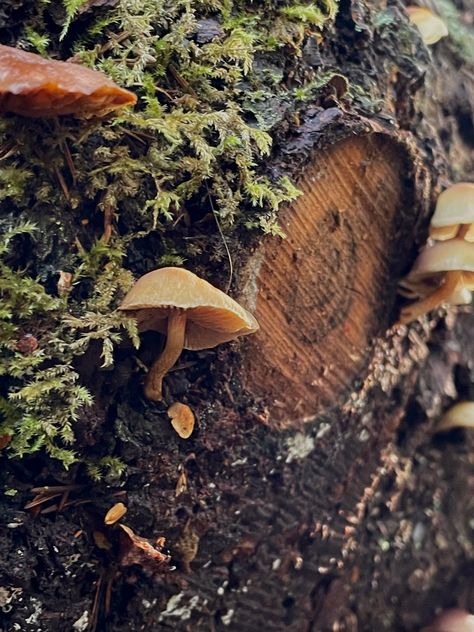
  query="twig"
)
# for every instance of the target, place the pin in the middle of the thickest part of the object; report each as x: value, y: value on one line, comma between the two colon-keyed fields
x: 231, y: 265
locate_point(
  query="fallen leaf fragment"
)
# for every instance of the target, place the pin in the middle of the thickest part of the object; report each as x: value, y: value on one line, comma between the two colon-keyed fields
x: 182, y: 419
x: 115, y: 513
x: 137, y: 550
x: 181, y: 484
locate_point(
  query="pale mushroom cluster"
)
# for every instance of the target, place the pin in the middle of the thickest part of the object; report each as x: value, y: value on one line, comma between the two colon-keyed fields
x: 444, y: 271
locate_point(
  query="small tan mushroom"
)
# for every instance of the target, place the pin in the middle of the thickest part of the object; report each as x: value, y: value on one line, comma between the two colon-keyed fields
x: 31, y: 85
x: 431, y: 26
x: 461, y: 415
x: 443, y: 273
x: 190, y: 311
x: 182, y: 419
x: 454, y: 213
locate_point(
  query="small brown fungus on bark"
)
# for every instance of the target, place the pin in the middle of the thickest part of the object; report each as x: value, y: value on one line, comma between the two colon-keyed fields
x: 190, y: 311
x: 431, y: 26
x: 33, y: 86
x: 182, y: 419
x: 443, y: 273
x: 454, y: 213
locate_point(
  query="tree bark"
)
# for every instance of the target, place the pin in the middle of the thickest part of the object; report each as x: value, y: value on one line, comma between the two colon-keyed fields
x: 314, y: 494
x: 324, y: 292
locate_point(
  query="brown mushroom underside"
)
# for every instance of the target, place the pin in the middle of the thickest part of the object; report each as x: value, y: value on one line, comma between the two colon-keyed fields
x: 31, y: 85
x: 322, y: 292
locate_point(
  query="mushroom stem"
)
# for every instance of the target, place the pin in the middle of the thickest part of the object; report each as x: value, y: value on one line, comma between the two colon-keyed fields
x: 463, y: 230
x: 171, y: 352
x: 440, y: 295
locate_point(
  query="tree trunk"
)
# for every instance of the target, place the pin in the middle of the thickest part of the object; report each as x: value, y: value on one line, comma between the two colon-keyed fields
x: 313, y: 493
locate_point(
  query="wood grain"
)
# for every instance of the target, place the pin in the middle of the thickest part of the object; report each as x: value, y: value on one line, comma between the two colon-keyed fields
x: 322, y: 292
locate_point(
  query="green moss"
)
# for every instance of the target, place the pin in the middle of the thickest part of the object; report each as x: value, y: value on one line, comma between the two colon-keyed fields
x: 191, y: 140
x: 312, y: 13
x: 45, y: 396
x: 39, y: 42
x: 339, y: 83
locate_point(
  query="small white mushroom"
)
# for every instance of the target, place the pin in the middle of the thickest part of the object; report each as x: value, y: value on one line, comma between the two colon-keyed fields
x: 431, y: 26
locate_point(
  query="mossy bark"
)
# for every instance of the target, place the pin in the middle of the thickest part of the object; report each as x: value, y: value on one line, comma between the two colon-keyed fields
x: 349, y: 514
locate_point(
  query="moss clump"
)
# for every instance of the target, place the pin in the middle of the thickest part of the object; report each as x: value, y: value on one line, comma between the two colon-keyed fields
x: 45, y: 396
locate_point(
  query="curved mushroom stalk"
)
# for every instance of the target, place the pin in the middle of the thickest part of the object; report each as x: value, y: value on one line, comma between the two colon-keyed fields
x: 171, y: 352
x: 469, y: 236
x: 417, y: 288
x: 453, y: 281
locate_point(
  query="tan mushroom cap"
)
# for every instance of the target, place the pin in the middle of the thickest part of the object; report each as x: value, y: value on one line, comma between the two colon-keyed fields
x: 455, y: 254
x: 431, y: 26
x: 461, y: 415
x: 455, y: 205
x: 212, y: 317
x: 31, y: 85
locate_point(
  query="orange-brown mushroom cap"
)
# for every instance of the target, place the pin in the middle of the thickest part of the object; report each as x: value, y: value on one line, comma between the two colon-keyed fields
x: 212, y: 317
x: 33, y: 86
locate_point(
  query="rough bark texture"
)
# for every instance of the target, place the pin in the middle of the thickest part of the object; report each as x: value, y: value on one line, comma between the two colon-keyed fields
x: 316, y: 496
